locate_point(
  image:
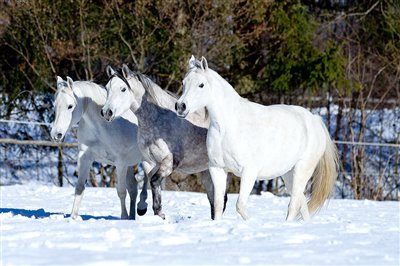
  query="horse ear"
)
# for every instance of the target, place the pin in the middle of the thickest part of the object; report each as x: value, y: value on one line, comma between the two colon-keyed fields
x: 204, y: 64
x: 59, y: 80
x: 126, y: 71
x: 70, y: 82
x: 192, y: 62
x: 110, y: 71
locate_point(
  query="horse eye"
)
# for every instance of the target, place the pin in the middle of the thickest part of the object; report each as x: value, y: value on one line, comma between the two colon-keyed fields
x: 123, y: 89
x: 70, y: 106
x: 201, y: 85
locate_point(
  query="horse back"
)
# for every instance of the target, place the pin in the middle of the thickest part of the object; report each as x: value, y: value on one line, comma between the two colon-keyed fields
x: 269, y: 138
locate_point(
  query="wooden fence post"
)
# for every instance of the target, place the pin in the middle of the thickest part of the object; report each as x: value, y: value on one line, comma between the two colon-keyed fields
x: 60, y: 166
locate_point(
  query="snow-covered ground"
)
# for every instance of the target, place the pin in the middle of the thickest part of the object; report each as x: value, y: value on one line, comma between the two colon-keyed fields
x: 346, y: 232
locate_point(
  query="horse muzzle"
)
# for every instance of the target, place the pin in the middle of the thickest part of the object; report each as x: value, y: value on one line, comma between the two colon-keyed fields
x: 107, y: 114
x: 181, y: 110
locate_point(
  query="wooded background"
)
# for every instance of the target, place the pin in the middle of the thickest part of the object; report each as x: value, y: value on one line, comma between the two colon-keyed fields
x: 343, y: 56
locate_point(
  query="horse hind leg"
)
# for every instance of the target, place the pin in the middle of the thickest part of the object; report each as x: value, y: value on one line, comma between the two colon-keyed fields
x: 298, y: 203
x: 298, y: 207
x: 246, y: 186
x: 304, y: 208
x: 288, y: 180
x: 228, y: 182
x: 132, y: 187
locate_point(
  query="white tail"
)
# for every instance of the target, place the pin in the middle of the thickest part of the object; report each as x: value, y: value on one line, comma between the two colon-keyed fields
x: 325, y: 174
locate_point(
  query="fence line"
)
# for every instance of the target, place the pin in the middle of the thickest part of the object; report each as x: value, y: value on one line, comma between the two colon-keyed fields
x: 25, y: 122
x: 356, y: 143
x: 75, y: 144
x: 347, y: 173
x: 28, y: 122
x: 14, y: 167
x: 48, y: 143
x: 38, y: 143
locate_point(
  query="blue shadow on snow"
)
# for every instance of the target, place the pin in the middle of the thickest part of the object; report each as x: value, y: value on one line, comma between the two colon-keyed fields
x: 41, y: 213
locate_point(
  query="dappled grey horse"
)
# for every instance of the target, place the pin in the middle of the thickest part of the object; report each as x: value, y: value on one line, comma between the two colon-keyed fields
x: 167, y: 143
x: 111, y: 143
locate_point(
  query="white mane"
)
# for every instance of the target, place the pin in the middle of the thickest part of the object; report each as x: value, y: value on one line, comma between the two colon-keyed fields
x: 90, y: 90
x: 167, y: 99
x: 162, y: 98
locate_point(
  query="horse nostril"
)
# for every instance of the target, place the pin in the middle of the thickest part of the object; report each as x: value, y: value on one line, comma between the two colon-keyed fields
x: 59, y: 136
x: 176, y: 106
x: 109, y: 113
x: 183, y: 107
x: 101, y: 112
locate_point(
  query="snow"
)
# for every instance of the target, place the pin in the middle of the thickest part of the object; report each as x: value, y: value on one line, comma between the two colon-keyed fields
x: 36, y: 230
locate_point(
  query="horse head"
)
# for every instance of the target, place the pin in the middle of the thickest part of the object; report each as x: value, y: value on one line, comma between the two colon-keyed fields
x: 122, y: 93
x: 65, y: 109
x: 196, y: 88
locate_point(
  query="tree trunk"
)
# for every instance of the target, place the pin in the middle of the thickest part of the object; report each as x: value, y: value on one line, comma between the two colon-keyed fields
x: 113, y: 180
x: 93, y: 179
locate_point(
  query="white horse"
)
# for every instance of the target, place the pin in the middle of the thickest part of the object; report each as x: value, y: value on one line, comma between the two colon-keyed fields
x: 111, y: 143
x: 252, y: 140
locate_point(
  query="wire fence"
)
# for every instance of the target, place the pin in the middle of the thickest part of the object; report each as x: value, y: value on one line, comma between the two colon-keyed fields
x: 40, y: 160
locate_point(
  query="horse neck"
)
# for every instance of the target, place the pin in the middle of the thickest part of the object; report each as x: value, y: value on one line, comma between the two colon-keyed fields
x: 166, y: 100
x: 88, y: 97
x: 147, y: 113
x: 158, y: 96
x: 223, y: 101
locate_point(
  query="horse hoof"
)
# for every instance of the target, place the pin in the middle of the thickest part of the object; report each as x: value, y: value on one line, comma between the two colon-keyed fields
x: 141, y: 212
x: 162, y: 215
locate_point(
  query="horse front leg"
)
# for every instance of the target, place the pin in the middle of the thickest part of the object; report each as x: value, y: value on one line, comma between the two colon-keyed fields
x: 121, y: 189
x: 206, y: 180
x: 219, y: 179
x: 84, y: 162
x: 164, y: 170
x: 142, y: 205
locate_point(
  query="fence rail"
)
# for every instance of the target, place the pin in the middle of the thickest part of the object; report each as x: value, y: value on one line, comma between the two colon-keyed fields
x: 38, y: 143
x: 75, y: 144
x: 356, y: 143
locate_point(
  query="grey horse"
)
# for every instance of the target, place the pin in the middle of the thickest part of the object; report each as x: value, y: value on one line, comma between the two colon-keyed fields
x: 167, y: 142
x: 80, y: 102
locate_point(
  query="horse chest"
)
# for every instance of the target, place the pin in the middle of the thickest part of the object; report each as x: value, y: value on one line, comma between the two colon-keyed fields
x: 221, y: 153
x: 104, y: 156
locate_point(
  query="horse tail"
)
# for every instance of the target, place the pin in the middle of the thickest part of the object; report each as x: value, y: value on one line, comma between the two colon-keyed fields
x: 325, y: 174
